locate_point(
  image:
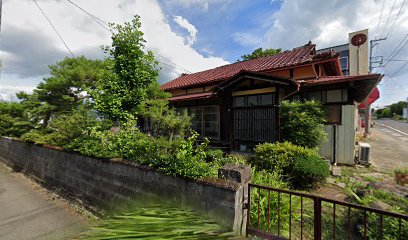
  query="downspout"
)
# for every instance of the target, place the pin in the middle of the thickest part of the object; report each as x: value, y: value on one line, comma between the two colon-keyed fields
x: 334, y: 144
x: 292, y: 93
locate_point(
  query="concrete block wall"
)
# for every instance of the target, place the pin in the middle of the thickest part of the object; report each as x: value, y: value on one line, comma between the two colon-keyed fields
x: 106, y: 184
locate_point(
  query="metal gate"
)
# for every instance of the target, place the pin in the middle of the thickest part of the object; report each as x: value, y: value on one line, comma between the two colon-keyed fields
x: 283, y: 214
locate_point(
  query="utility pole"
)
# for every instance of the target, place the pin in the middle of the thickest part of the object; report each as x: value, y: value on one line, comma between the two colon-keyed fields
x: 374, y: 43
x: 367, y: 113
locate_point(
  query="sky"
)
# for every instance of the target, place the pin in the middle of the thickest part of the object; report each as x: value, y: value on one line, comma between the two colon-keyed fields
x: 195, y: 35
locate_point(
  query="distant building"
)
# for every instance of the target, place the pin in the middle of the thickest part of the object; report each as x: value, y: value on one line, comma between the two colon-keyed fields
x: 343, y: 51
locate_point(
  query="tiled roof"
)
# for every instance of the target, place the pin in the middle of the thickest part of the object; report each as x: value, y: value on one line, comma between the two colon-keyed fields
x: 191, y: 96
x: 362, y: 86
x: 338, y: 79
x: 300, y: 55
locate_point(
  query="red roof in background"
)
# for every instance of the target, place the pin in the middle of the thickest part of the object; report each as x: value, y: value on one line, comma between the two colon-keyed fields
x: 374, y: 95
x: 300, y: 55
x: 191, y: 96
x: 337, y: 79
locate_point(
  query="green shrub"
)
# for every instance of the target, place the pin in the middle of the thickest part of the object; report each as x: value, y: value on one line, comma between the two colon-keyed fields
x: 180, y: 158
x: 390, y: 228
x: 302, y: 123
x: 307, y: 171
x: 33, y: 136
x: 278, y: 156
x: 230, y: 158
x: 214, y: 154
x: 299, y: 165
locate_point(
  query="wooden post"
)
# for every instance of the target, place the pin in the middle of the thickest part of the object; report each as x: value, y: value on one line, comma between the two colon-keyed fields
x: 367, y: 119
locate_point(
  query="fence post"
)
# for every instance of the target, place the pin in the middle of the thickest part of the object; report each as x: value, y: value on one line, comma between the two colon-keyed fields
x: 317, y: 218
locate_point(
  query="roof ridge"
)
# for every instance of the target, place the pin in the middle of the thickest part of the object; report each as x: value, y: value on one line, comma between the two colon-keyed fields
x: 254, y: 59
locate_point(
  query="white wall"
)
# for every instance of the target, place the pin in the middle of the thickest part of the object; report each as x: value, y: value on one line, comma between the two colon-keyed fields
x: 345, y: 140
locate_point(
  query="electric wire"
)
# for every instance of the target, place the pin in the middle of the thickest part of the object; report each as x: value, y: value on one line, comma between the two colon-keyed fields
x: 106, y: 26
x: 380, y: 47
x: 397, y: 49
x: 388, y: 18
x: 394, y: 24
x: 396, y: 19
x: 53, y: 27
x: 399, y: 69
x: 95, y: 18
x: 379, y: 20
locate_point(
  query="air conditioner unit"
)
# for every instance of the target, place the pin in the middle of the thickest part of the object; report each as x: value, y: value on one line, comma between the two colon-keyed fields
x: 364, y: 154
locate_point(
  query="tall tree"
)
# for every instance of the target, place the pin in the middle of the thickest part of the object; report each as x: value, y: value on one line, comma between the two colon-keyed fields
x: 260, y: 53
x: 13, y: 121
x: 66, y: 88
x: 134, y: 70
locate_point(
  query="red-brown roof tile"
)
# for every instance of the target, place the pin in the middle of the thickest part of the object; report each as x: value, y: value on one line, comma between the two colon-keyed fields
x: 191, y: 96
x: 338, y: 79
x: 300, y: 55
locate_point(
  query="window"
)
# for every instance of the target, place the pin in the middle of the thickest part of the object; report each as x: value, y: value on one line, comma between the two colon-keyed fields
x: 206, y: 121
x: 197, y: 120
x: 254, y: 100
x: 240, y: 101
x: 211, y: 122
x: 317, y: 96
x: 344, y: 95
x: 344, y: 63
x: 334, y: 96
x: 333, y: 114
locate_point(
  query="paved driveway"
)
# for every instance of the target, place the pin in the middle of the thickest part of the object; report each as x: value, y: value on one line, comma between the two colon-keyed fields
x: 29, y: 212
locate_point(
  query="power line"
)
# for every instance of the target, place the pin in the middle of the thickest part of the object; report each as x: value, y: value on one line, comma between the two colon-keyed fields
x: 393, y: 25
x: 398, y: 48
x: 399, y: 70
x: 379, y: 49
x: 391, y: 76
x: 95, y: 18
x: 396, y: 18
x: 379, y: 20
x: 52, y: 25
x: 106, y: 26
x: 388, y: 18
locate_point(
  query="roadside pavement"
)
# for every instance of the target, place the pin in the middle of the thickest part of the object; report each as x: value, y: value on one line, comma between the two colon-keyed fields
x: 27, y: 211
x: 389, y: 148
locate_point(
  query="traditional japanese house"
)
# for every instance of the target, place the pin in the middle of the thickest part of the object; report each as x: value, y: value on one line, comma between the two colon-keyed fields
x: 236, y: 105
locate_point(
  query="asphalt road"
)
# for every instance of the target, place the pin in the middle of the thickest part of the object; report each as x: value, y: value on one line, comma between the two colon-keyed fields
x: 389, y: 144
x: 29, y: 212
x: 399, y: 125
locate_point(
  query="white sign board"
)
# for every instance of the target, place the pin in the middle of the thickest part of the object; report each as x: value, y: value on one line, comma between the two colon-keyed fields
x: 405, y: 113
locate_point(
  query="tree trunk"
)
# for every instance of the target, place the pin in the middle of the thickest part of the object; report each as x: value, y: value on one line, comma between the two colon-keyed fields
x: 46, y: 119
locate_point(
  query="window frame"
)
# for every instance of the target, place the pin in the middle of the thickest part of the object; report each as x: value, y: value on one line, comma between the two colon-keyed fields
x: 202, y: 127
x: 246, y: 100
x: 339, y: 122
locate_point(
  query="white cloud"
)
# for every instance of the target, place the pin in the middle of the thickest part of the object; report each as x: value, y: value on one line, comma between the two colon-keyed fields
x: 29, y: 45
x: 327, y: 23
x: 191, y: 29
x: 8, y: 93
x: 246, y: 39
x: 199, y: 4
